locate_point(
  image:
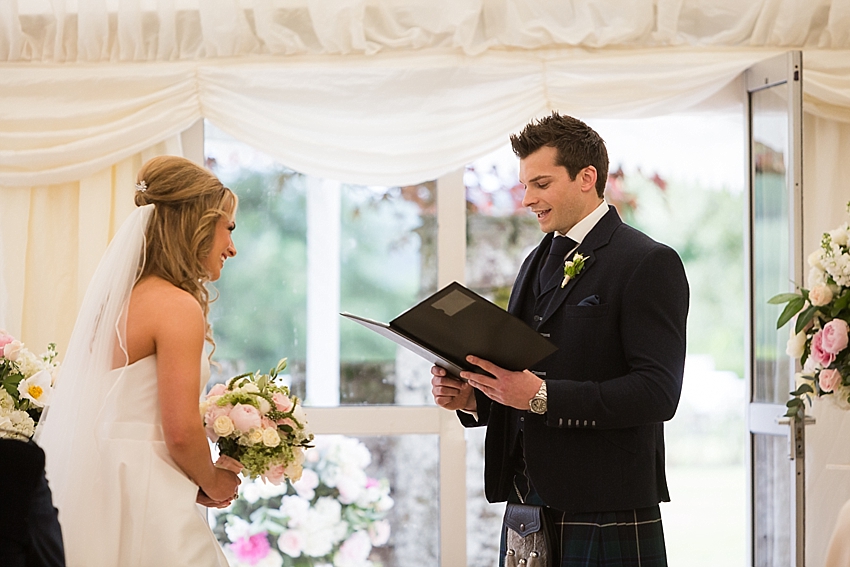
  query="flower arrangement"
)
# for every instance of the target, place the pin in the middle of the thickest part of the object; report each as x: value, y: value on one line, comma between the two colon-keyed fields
x: 573, y: 267
x: 255, y: 421
x: 26, y: 383
x: 332, y: 516
x: 820, y: 336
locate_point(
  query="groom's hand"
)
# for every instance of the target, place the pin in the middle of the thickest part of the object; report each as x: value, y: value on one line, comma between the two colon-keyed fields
x: 450, y: 392
x: 513, y: 389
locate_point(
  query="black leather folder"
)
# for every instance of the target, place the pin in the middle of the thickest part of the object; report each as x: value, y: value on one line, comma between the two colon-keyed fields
x: 455, y: 322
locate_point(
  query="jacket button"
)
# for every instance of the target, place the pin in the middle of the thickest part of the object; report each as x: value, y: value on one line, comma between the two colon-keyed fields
x: 522, y: 418
x: 538, y: 318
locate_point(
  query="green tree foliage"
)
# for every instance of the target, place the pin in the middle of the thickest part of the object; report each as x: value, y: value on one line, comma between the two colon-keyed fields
x: 262, y: 313
x: 706, y: 227
x: 263, y: 309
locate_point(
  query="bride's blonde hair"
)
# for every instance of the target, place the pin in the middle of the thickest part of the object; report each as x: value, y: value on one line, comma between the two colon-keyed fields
x: 188, y: 202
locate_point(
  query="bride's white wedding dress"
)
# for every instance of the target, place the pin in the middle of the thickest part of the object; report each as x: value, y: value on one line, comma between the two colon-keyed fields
x: 138, y: 510
x: 122, y: 500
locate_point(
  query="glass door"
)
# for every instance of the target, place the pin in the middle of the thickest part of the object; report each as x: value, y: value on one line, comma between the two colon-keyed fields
x: 776, y: 463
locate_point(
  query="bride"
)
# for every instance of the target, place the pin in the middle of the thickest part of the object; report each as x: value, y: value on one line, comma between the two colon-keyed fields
x: 127, y: 456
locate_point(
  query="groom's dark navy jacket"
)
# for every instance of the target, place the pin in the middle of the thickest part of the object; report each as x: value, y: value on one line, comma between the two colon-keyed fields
x: 617, y: 375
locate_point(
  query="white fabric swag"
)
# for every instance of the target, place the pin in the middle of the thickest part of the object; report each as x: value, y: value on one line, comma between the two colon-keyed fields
x: 384, y: 119
x: 166, y: 30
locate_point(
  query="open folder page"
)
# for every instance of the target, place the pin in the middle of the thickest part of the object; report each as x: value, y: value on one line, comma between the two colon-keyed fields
x: 455, y: 322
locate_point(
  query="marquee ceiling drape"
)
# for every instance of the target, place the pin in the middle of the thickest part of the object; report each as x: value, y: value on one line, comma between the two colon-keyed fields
x: 374, y: 91
x: 61, y: 31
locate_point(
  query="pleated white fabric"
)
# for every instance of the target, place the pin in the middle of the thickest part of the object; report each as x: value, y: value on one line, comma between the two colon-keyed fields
x: 167, y: 30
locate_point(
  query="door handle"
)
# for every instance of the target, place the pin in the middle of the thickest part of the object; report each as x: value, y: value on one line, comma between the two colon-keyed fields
x: 797, y: 445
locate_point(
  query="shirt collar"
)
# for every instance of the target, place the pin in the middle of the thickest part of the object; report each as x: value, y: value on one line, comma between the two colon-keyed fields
x: 585, y: 225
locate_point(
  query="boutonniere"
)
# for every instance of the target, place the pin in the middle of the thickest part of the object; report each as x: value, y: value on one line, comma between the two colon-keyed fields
x: 573, y: 267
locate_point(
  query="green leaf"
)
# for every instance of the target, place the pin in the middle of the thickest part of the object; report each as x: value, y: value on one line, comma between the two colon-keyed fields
x: 794, y: 402
x: 805, y: 318
x: 790, y: 310
x: 803, y: 389
x: 281, y: 365
x: 783, y: 298
x: 841, y: 303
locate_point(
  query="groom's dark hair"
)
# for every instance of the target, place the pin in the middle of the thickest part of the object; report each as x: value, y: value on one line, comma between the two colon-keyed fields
x: 578, y: 145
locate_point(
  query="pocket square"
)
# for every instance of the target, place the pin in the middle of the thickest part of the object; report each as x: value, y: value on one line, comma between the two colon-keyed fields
x: 590, y: 300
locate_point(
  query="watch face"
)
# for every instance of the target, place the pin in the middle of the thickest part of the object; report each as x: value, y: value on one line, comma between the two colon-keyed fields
x: 537, y: 405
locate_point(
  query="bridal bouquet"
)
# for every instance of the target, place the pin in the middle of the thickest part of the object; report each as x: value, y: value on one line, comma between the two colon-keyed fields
x: 820, y: 336
x: 26, y: 383
x: 255, y: 421
x: 333, y: 516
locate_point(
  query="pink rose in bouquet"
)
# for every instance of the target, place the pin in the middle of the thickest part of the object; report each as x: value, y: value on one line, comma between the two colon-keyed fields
x: 829, y: 379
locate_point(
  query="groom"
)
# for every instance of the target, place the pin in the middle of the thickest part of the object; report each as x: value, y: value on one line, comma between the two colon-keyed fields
x: 581, y: 432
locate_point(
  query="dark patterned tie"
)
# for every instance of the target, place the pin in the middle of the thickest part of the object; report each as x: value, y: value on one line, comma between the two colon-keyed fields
x: 554, y: 263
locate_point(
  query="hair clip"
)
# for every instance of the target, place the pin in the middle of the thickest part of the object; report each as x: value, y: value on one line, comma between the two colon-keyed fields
x: 141, y: 186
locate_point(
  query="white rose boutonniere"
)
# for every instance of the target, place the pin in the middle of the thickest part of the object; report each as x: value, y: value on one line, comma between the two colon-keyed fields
x: 573, y: 267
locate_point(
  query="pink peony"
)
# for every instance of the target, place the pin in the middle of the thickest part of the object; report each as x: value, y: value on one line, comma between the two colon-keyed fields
x: 217, y: 390
x: 355, y: 550
x: 252, y: 549
x: 282, y: 402
x: 379, y: 532
x: 275, y: 474
x: 834, y: 338
x: 819, y: 355
x: 245, y: 417
x: 829, y: 379
x: 291, y: 542
x: 5, y: 339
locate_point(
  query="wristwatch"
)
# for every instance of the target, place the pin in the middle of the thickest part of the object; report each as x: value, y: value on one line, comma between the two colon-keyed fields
x: 537, y: 404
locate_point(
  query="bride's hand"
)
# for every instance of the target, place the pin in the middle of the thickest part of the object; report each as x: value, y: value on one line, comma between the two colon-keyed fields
x: 205, y: 500
x: 224, y: 485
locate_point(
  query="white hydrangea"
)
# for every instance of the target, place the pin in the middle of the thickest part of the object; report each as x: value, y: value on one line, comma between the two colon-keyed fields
x: 6, y: 402
x: 294, y: 508
x: 31, y: 364
x: 343, y: 457
x: 837, y: 265
x: 841, y: 235
x: 323, y: 527
x: 16, y: 421
x: 815, y: 278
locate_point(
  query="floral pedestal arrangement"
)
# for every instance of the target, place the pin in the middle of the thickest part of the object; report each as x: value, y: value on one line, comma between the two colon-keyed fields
x: 819, y: 337
x: 332, y: 516
x: 26, y: 383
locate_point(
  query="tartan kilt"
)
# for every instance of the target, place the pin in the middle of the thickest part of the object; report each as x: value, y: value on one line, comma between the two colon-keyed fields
x: 629, y: 538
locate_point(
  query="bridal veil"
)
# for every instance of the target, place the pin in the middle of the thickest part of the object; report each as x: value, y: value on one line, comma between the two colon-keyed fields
x: 68, y: 429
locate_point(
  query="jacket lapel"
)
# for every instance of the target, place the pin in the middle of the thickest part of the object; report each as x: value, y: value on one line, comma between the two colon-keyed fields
x: 598, y: 237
